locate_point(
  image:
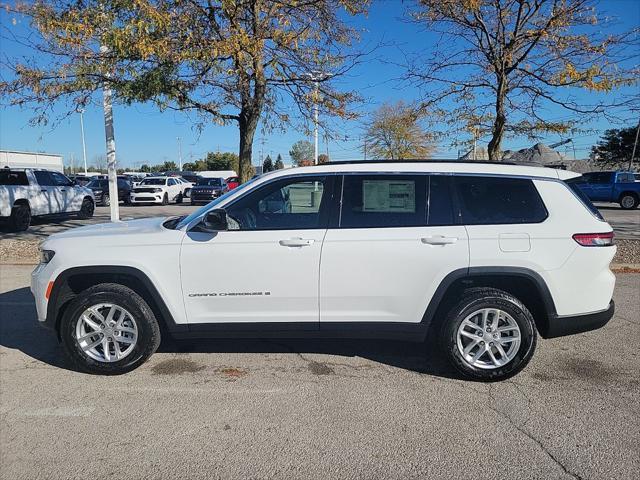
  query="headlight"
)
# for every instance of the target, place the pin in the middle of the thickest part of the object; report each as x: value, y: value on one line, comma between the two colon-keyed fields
x: 46, y: 255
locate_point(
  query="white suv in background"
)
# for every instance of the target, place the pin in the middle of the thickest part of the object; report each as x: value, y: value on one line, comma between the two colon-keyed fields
x: 26, y: 193
x: 160, y: 190
x: 483, y: 256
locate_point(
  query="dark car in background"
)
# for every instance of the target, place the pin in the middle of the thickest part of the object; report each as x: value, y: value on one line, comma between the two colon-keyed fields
x: 100, y: 189
x: 80, y: 180
x: 208, y: 189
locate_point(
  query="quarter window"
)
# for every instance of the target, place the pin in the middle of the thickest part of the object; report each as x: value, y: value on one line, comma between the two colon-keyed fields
x: 371, y: 201
x: 289, y: 204
x: 494, y: 200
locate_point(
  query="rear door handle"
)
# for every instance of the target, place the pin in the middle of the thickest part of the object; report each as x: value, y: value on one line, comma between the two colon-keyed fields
x: 439, y: 240
x: 296, y: 242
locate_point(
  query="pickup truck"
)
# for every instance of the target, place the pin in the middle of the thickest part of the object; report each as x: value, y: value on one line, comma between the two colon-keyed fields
x: 614, y: 187
x: 27, y: 193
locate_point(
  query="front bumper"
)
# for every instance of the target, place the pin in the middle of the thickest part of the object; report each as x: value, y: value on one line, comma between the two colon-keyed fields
x: 204, y: 197
x: 572, y: 324
x: 39, y: 283
x: 146, y: 197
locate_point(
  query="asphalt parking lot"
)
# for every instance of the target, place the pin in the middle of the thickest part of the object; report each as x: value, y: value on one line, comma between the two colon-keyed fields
x: 330, y: 409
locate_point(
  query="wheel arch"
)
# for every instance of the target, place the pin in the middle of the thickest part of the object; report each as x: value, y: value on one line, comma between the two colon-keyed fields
x: 628, y: 192
x: 73, y: 281
x: 523, y: 283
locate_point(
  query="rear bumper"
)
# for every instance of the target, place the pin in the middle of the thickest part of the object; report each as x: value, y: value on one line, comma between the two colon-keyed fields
x: 570, y: 325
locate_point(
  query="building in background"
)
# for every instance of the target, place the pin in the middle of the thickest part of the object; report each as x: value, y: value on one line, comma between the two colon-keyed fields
x: 10, y: 158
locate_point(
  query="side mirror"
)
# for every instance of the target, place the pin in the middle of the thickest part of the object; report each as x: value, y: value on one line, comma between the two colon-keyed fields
x: 215, y: 221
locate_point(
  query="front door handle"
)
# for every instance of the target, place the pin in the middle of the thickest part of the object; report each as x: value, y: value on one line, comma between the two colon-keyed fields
x: 439, y: 240
x: 296, y: 242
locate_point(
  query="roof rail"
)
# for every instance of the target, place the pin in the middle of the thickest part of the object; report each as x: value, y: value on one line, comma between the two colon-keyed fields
x: 415, y: 160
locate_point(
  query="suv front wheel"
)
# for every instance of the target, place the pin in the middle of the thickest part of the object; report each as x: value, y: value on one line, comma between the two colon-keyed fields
x: 489, y: 335
x: 109, y: 329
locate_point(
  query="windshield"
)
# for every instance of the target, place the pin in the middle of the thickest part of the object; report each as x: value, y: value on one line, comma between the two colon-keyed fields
x: 95, y: 184
x: 241, y: 189
x: 211, y: 182
x: 153, y: 181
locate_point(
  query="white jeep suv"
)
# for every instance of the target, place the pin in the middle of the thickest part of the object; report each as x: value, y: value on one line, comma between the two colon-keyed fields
x: 160, y: 190
x: 484, y: 256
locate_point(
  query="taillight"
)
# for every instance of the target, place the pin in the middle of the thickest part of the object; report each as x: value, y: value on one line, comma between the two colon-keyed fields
x: 594, y: 239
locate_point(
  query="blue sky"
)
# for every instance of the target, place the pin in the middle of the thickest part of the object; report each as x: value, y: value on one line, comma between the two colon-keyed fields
x: 145, y: 135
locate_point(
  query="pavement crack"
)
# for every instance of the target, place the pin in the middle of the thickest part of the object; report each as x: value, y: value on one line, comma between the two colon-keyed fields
x: 530, y: 436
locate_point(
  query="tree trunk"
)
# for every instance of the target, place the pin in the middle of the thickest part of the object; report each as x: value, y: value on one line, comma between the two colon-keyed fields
x: 248, y: 123
x: 494, y: 147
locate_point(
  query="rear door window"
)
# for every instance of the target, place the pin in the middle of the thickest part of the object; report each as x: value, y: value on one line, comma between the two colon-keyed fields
x: 379, y: 201
x: 44, y: 178
x: 440, y: 207
x: 598, y: 177
x: 496, y: 200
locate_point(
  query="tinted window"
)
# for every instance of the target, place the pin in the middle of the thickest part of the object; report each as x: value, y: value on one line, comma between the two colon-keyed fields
x: 212, y: 182
x: 598, y: 177
x: 287, y: 204
x: 123, y: 184
x: 625, y: 178
x: 440, y: 207
x: 494, y: 200
x: 43, y: 178
x: 370, y: 201
x: 60, y: 180
x: 154, y: 181
x: 8, y: 177
x: 172, y: 182
x: 574, y: 184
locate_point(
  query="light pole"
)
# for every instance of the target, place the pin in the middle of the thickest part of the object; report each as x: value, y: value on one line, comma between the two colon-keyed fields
x: 84, y: 149
x: 635, y: 144
x: 107, y: 104
x: 179, y: 153
x: 316, y: 77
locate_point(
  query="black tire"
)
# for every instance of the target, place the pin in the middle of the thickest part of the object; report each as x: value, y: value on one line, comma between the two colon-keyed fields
x: 87, y: 209
x: 165, y: 199
x: 20, y: 218
x: 187, y: 193
x: 629, y: 201
x: 106, y: 200
x: 148, y: 329
x: 473, y: 300
x: 179, y: 198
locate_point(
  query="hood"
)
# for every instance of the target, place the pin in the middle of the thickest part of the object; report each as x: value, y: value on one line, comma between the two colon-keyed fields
x: 143, y: 226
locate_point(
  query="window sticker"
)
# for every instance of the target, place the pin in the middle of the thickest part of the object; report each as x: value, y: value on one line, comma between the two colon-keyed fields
x: 389, y: 196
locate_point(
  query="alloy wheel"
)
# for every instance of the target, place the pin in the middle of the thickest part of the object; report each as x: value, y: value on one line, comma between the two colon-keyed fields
x: 488, y: 338
x: 106, y: 332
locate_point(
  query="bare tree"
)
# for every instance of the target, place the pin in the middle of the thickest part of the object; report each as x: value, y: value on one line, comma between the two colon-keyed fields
x: 501, y: 64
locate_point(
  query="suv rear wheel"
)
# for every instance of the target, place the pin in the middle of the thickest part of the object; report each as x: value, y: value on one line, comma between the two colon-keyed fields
x: 109, y: 329
x: 489, y: 335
